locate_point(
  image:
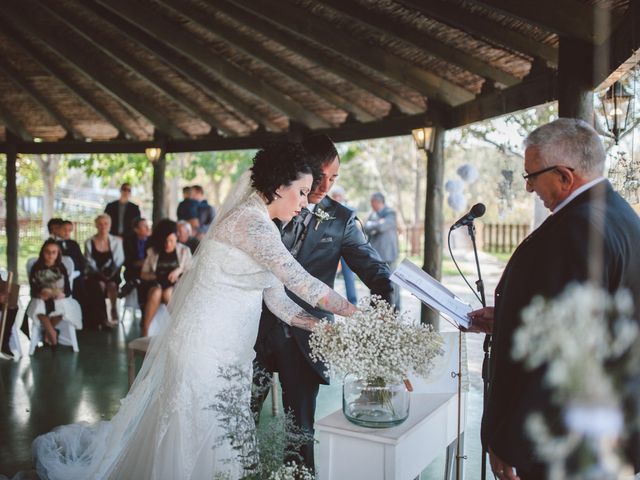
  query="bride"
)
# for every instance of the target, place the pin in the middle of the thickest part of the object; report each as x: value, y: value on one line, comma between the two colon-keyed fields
x: 165, y: 428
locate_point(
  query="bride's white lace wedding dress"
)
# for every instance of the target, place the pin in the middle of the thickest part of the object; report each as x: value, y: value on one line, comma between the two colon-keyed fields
x: 165, y: 428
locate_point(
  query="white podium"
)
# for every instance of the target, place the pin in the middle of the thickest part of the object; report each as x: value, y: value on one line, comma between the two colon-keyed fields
x: 348, y: 451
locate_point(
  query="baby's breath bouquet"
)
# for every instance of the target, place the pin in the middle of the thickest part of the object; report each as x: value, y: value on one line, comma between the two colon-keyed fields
x: 588, y: 342
x: 377, y: 348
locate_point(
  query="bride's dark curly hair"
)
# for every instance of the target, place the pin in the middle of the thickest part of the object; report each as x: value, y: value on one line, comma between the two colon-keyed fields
x: 280, y: 163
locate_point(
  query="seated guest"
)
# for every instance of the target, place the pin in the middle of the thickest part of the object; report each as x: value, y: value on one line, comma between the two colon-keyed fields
x: 135, y: 249
x: 122, y: 212
x: 51, y: 301
x: 104, y: 255
x: 70, y: 247
x: 53, y: 226
x: 188, y: 207
x: 185, y: 237
x: 166, y: 261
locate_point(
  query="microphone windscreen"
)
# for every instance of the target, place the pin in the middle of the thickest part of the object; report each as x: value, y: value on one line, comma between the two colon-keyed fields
x: 478, y: 210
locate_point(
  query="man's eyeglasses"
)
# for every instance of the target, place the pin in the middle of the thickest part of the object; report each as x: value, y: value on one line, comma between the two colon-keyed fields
x: 125, y: 190
x: 528, y: 177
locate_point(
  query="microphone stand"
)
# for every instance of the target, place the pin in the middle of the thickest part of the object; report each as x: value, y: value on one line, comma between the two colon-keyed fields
x: 486, y: 346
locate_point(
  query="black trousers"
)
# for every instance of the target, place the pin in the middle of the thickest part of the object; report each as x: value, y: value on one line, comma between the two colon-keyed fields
x: 299, y: 382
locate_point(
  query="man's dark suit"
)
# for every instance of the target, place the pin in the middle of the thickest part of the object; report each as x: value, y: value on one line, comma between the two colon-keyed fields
x: 596, y: 225
x: 132, y: 211
x: 286, y: 350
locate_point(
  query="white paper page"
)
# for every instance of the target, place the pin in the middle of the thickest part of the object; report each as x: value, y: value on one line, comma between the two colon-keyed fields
x: 431, y: 292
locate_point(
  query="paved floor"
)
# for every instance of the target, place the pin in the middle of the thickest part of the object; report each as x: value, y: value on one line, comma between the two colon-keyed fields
x: 59, y: 387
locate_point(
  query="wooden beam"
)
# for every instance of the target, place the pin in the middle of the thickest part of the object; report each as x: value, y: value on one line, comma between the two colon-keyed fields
x: 11, y: 123
x: 131, y: 62
x: 199, y: 52
x: 575, y: 76
x: 175, y: 60
x: 529, y: 93
x: 255, y: 50
x: 484, y: 28
x: 300, y: 21
x: 11, y: 201
x: 24, y: 84
x: 63, y: 77
x: 434, y: 218
x: 159, y: 168
x: 569, y: 18
x: 620, y: 51
x: 316, y: 55
x: 102, y: 77
x: 430, y: 45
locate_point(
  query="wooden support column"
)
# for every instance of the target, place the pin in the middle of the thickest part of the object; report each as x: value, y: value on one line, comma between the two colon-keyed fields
x: 575, y: 78
x: 11, y: 201
x: 434, y: 218
x: 159, y: 167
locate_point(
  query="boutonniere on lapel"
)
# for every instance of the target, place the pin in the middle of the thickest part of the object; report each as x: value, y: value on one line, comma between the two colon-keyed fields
x: 321, y: 216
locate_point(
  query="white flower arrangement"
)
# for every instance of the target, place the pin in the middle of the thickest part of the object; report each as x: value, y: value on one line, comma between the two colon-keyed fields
x: 587, y: 339
x: 376, y: 343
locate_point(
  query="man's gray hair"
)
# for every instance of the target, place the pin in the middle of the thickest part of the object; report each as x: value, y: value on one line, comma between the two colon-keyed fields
x: 186, y: 225
x: 570, y: 142
x: 378, y: 196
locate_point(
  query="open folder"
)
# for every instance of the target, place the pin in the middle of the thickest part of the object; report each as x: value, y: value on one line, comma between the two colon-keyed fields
x: 432, y: 293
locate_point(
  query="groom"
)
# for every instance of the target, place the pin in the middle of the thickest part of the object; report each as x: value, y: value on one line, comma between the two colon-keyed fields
x: 318, y: 238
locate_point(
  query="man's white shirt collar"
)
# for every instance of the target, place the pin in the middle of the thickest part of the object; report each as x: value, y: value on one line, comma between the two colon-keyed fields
x: 577, y: 192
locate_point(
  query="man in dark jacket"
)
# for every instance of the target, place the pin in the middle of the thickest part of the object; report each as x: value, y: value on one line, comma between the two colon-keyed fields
x: 122, y: 212
x: 591, y: 235
x: 331, y: 232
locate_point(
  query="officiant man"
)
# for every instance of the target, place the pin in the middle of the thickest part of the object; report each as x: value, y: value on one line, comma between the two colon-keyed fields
x: 318, y: 238
x: 590, y: 235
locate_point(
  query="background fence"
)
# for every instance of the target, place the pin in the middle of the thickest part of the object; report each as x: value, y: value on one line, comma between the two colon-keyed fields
x: 503, y: 238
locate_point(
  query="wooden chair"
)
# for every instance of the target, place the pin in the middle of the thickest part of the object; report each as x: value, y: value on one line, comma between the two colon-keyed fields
x: 12, y: 293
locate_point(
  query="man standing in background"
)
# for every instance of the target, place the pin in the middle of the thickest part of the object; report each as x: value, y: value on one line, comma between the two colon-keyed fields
x: 205, y: 212
x: 382, y: 230
x: 122, y: 212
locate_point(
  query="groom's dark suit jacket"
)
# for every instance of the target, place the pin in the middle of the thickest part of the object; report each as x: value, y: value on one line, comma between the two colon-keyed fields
x: 597, y: 230
x: 320, y: 254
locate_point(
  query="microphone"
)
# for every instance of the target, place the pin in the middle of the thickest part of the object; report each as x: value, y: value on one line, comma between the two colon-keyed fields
x: 476, y: 211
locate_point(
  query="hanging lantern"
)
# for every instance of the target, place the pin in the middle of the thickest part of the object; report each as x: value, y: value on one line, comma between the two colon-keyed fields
x: 616, y: 105
x: 424, y: 138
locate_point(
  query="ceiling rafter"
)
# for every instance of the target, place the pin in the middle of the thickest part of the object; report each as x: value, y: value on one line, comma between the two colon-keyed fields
x: 107, y: 81
x: 484, y: 28
x: 422, y: 41
x: 192, y: 47
x: 64, y: 78
x: 316, y: 55
x: 173, y: 59
x: 263, y: 55
x: 301, y: 22
x: 14, y: 125
x: 569, y: 18
x: 129, y: 61
x: 24, y: 84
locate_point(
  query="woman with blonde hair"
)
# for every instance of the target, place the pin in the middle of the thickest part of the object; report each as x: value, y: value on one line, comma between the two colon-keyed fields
x: 105, y: 255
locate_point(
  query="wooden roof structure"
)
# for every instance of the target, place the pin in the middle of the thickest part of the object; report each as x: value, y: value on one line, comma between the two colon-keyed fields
x: 119, y: 75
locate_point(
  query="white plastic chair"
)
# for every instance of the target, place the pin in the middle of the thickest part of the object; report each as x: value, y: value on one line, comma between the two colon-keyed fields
x: 67, y: 334
x: 71, y: 269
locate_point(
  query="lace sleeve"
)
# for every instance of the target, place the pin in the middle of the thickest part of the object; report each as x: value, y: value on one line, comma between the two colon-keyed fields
x: 250, y: 230
x: 287, y: 310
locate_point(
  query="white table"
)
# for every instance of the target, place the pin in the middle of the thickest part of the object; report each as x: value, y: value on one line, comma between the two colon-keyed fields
x: 348, y: 451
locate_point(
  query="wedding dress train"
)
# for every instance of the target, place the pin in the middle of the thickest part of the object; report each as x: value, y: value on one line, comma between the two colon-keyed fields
x: 166, y: 428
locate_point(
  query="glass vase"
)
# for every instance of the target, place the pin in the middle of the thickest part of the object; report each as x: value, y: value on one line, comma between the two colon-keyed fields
x: 374, y: 403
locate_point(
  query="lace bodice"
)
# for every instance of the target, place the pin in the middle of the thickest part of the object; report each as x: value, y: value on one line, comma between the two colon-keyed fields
x: 249, y: 229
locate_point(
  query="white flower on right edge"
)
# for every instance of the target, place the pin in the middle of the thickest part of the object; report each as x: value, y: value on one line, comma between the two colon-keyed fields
x: 588, y: 341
